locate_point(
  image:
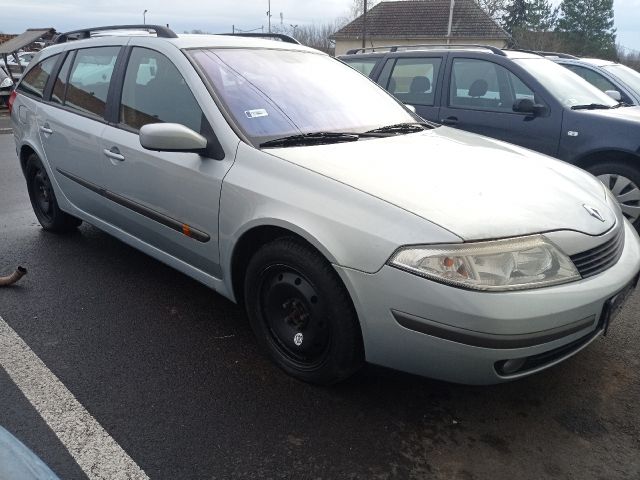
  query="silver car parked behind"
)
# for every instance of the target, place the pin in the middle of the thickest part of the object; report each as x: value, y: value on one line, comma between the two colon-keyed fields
x: 349, y: 229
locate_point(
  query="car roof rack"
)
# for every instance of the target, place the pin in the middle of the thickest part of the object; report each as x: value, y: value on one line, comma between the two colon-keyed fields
x: 557, y: 54
x: 395, y: 48
x: 272, y: 36
x: 544, y: 53
x: 161, y: 31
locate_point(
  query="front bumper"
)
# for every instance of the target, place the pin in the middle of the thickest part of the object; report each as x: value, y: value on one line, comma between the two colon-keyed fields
x: 419, y: 326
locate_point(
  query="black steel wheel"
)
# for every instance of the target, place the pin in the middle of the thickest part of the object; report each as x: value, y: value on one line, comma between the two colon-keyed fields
x: 294, y: 315
x: 43, y: 199
x: 301, y: 313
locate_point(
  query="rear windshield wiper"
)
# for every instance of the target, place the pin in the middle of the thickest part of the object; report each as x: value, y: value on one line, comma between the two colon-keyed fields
x: 402, y: 128
x: 591, y: 106
x: 315, y: 138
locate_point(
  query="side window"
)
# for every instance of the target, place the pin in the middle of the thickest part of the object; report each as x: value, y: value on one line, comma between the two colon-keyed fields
x: 60, y: 87
x: 155, y: 91
x: 413, y: 80
x: 35, y: 79
x: 363, y: 65
x: 89, y: 79
x: 592, y: 77
x: 483, y: 85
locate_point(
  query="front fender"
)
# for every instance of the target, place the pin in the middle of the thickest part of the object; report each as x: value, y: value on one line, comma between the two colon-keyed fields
x: 349, y: 227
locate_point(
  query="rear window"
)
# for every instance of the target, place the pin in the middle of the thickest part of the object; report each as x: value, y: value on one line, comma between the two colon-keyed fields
x: 35, y: 80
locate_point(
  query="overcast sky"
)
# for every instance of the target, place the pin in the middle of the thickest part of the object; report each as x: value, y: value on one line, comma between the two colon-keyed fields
x: 216, y: 15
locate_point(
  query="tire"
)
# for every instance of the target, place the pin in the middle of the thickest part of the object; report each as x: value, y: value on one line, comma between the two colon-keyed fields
x: 624, y: 181
x: 302, y: 314
x: 43, y: 199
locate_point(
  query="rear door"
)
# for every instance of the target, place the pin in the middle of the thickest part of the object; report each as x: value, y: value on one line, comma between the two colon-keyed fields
x: 72, y: 121
x: 169, y: 200
x: 479, y: 97
x: 415, y: 80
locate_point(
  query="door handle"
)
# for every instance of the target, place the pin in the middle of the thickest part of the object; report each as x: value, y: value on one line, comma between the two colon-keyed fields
x: 449, y: 121
x: 46, y: 129
x: 114, y: 154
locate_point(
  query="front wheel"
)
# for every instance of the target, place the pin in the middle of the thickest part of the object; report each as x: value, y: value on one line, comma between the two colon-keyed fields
x: 301, y: 313
x: 624, y: 182
x: 43, y: 199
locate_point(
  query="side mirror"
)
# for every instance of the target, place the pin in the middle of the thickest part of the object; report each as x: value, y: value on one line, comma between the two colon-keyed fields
x: 410, y: 107
x: 171, y: 137
x: 616, y: 95
x: 526, y: 105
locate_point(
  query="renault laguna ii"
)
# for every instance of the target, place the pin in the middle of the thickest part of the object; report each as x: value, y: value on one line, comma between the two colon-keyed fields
x: 350, y: 229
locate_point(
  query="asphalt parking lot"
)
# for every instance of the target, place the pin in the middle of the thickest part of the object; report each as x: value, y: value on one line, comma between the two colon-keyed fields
x: 171, y: 372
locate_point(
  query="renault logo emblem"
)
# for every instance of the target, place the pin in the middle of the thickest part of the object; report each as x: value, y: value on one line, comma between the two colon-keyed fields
x: 593, y: 212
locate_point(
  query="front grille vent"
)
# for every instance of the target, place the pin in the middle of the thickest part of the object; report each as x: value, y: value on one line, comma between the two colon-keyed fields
x: 600, y: 258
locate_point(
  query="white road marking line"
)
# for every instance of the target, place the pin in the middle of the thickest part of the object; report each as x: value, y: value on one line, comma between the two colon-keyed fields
x: 97, y: 454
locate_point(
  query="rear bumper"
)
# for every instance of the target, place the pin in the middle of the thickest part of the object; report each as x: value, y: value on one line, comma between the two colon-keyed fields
x: 415, y: 325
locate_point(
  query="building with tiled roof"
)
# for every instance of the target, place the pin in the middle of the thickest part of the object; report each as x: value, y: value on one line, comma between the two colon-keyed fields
x: 421, y: 22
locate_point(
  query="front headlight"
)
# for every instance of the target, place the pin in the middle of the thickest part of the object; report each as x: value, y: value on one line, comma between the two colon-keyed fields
x: 500, y: 265
x: 6, y: 83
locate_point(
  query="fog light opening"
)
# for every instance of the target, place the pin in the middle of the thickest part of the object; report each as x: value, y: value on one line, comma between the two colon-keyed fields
x: 508, y: 367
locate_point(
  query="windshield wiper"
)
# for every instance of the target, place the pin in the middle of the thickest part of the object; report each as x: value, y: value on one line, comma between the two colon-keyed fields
x: 315, y: 138
x: 591, y: 106
x: 402, y: 128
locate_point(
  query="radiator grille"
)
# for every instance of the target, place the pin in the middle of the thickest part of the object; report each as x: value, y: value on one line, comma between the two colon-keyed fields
x: 600, y: 258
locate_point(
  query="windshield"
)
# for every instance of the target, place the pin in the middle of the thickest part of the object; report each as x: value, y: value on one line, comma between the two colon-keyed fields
x: 568, y: 88
x: 627, y: 75
x: 277, y: 93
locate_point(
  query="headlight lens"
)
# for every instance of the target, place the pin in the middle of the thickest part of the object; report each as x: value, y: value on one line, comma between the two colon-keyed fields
x: 500, y: 265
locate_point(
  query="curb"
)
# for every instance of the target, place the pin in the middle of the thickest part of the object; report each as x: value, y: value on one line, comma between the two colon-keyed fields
x: 5, y: 130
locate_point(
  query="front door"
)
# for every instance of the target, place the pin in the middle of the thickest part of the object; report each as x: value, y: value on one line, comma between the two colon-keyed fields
x: 168, y: 200
x: 480, y: 99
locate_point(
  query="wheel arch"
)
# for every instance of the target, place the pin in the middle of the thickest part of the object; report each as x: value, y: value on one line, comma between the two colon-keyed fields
x: 257, y: 235
x: 26, y: 150
x: 608, y: 155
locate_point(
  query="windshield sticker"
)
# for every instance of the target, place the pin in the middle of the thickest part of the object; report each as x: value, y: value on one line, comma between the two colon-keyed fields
x: 260, y: 112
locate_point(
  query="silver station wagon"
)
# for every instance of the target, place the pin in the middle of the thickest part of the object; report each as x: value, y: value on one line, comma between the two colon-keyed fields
x: 349, y: 228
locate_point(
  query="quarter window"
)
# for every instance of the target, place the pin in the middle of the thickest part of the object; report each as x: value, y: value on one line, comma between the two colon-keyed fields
x: 60, y: 87
x: 154, y: 91
x: 364, y: 66
x: 36, y: 79
x: 413, y: 80
x: 89, y: 80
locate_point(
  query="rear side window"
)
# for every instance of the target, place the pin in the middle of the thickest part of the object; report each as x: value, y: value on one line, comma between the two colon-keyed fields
x: 413, y: 80
x: 154, y: 91
x: 362, y: 65
x: 36, y: 79
x: 89, y: 79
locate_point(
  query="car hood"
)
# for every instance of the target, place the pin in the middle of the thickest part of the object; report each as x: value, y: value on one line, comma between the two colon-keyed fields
x: 475, y: 187
x: 621, y: 113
